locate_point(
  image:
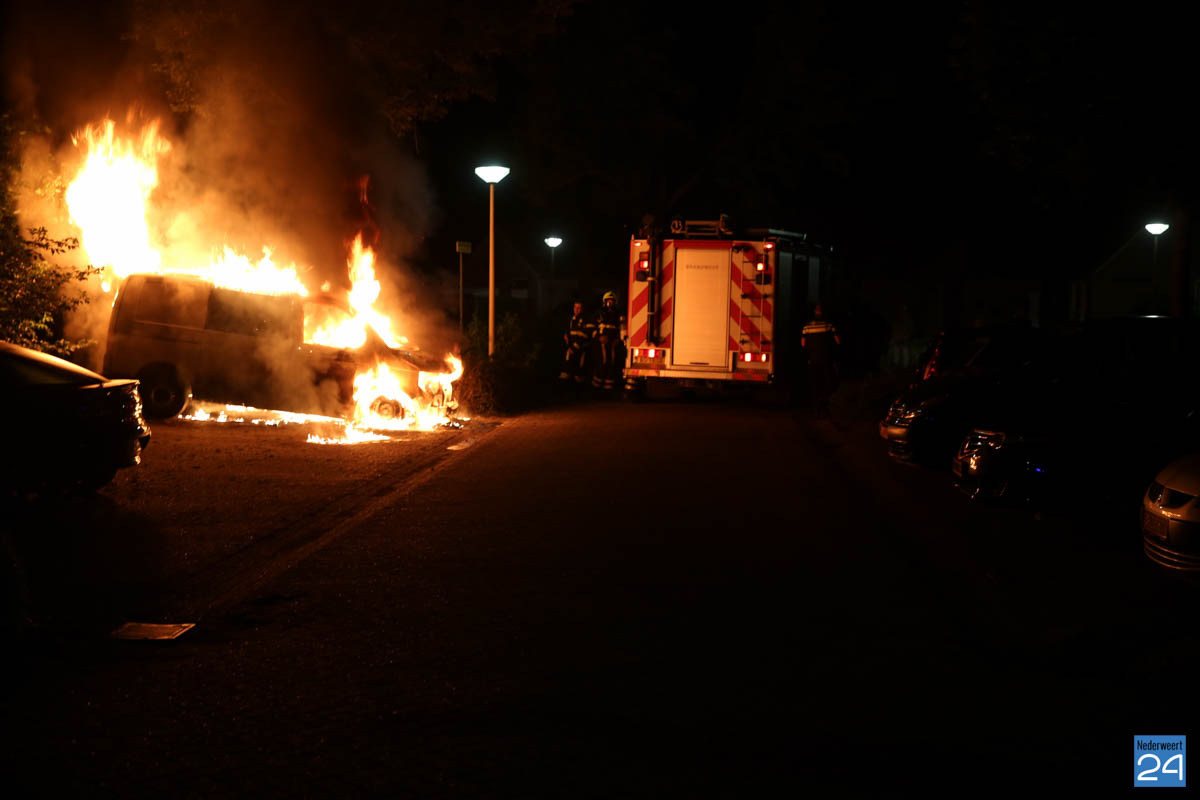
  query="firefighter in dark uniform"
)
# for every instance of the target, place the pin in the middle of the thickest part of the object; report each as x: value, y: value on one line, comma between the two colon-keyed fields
x: 818, y: 340
x: 608, y: 336
x: 578, y: 338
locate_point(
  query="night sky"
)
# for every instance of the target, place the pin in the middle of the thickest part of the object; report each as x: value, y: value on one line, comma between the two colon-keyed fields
x: 920, y: 142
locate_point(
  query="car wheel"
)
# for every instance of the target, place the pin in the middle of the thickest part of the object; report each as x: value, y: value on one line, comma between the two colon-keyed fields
x: 96, y: 479
x: 387, y: 408
x: 163, y: 393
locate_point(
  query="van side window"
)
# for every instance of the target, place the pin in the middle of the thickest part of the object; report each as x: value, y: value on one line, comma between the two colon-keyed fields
x: 252, y: 314
x: 171, y: 303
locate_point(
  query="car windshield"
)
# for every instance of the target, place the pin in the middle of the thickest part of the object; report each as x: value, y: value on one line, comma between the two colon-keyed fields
x: 1003, y: 351
x: 982, y: 349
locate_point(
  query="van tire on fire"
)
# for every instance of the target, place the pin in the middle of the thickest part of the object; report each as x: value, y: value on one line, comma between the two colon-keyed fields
x: 164, y: 393
x: 387, y: 408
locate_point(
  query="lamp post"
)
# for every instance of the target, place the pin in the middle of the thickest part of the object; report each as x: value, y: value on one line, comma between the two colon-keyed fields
x: 492, y: 175
x: 1156, y: 229
x: 552, y: 242
x: 460, y: 248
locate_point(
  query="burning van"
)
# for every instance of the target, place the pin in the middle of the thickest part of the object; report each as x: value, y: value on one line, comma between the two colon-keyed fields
x: 183, y: 336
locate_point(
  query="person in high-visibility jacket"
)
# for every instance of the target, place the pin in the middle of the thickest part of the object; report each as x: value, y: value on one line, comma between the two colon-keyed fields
x: 818, y: 340
x: 608, y: 336
x: 578, y: 339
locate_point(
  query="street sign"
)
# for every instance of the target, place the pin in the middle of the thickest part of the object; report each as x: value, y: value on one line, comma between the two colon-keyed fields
x: 462, y: 247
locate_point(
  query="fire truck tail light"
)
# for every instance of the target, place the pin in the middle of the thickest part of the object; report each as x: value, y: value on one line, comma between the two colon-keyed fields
x: 651, y: 352
x: 645, y: 264
x: 763, y: 358
x: 637, y: 351
x: 760, y: 266
x: 769, y: 246
x: 747, y: 357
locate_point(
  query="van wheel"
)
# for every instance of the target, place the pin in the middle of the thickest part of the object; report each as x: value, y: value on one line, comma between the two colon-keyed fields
x: 163, y: 393
x: 387, y: 408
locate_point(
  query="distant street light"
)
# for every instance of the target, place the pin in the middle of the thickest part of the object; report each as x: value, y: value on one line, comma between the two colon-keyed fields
x: 1156, y: 229
x: 552, y: 242
x: 492, y: 175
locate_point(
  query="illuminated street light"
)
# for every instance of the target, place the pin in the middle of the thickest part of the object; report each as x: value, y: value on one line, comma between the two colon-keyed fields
x: 1156, y: 229
x: 492, y: 175
x: 552, y: 242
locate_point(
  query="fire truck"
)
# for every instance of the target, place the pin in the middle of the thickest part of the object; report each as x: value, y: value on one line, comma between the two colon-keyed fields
x: 707, y: 305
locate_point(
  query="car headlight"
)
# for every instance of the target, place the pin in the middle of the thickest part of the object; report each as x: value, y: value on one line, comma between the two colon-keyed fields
x: 906, y: 415
x: 981, y: 440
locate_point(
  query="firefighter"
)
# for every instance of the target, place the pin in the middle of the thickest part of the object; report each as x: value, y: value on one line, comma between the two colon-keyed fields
x: 608, y: 336
x: 578, y: 338
x: 818, y: 340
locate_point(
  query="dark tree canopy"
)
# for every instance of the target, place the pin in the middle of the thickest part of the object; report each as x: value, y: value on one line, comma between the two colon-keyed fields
x: 408, y: 60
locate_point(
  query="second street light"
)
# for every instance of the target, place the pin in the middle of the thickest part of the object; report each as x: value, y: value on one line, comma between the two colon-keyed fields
x: 492, y: 175
x: 552, y: 242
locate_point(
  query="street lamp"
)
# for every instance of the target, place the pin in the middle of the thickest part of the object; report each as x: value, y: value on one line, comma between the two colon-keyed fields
x: 492, y: 175
x: 1156, y: 229
x: 552, y: 242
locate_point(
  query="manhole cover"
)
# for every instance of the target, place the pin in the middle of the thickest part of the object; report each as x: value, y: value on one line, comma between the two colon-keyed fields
x: 152, y: 630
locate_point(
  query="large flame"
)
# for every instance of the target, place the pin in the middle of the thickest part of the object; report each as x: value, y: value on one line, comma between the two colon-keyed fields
x: 350, y: 330
x: 109, y: 200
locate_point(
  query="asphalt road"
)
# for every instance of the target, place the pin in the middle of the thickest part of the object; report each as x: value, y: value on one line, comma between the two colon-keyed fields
x: 594, y: 600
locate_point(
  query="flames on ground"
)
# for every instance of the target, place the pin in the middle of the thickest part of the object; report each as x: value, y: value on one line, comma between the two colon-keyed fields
x: 109, y: 198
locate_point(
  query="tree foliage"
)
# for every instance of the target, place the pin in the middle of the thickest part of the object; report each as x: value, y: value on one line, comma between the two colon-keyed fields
x: 408, y: 61
x: 35, y: 292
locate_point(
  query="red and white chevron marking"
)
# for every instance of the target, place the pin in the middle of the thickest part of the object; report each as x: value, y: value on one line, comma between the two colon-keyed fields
x: 639, y: 297
x: 751, y: 310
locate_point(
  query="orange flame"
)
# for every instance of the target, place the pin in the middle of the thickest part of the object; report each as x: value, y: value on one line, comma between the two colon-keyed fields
x: 108, y: 199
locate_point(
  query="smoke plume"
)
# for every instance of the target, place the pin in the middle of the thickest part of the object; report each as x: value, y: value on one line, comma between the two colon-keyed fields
x: 272, y: 125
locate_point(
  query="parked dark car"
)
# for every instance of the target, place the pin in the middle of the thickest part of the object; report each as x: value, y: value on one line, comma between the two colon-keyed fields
x: 67, y: 426
x: 1121, y: 402
x: 928, y: 420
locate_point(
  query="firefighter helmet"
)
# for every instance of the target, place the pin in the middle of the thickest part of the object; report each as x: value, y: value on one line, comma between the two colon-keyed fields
x: 609, y: 296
